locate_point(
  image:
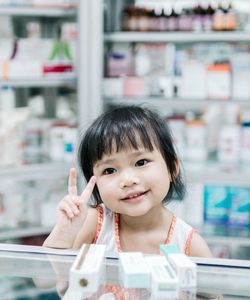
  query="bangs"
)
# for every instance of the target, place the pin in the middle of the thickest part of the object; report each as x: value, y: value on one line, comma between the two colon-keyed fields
x: 123, y: 136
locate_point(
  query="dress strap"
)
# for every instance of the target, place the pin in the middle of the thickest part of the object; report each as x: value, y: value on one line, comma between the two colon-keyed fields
x: 188, y: 242
x: 99, y: 223
x: 117, y: 233
x: 171, y: 230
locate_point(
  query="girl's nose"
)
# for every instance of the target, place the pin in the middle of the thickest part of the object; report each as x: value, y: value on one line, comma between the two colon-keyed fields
x: 128, y: 178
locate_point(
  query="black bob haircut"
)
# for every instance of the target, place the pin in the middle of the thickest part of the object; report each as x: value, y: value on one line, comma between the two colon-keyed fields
x: 129, y: 127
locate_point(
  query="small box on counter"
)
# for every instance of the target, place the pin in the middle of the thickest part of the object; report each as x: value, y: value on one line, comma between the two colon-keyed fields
x: 164, y: 282
x: 169, y: 249
x: 185, y: 269
x: 133, y: 270
x: 87, y: 270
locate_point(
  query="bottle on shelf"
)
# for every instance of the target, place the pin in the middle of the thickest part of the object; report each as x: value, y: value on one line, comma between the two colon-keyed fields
x: 218, y: 18
x: 143, y: 22
x: 230, y: 18
x: 196, y: 134
x: 229, y: 137
x: 198, y: 17
x: 7, y: 98
x: 208, y: 18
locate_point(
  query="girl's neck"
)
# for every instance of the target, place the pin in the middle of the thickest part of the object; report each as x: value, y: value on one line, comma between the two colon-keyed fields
x: 156, y: 217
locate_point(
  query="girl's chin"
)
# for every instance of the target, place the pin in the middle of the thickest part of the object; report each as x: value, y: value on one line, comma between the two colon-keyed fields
x: 136, y: 211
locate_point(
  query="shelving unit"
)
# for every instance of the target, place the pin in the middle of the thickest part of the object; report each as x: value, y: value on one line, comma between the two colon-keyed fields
x: 207, y: 173
x: 85, y: 82
x: 48, y: 83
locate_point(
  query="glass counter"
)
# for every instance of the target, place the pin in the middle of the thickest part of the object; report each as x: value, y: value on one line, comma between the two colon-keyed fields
x: 26, y: 275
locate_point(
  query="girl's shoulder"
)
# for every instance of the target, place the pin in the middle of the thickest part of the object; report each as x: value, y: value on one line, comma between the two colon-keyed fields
x: 182, y: 224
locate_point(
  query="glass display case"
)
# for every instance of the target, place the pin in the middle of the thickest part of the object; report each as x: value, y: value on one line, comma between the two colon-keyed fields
x: 29, y: 275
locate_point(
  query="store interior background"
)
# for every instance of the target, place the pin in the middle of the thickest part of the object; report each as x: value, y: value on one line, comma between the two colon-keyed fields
x: 59, y: 69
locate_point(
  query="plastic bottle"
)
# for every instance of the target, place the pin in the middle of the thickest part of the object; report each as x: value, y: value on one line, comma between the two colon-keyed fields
x: 218, y: 18
x: 229, y: 136
x: 70, y: 143
x: 230, y: 18
x: 196, y: 133
x: 7, y: 98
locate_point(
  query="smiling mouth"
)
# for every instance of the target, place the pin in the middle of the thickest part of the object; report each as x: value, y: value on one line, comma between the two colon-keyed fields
x: 134, y: 196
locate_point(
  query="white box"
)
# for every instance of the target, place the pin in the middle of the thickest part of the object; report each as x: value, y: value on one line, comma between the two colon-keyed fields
x: 219, y: 82
x: 87, y: 270
x: 193, y: 81
x: 241, y: 76
x: 133, y: 270
x: 164, y: 282
x: 113, y: 87
x: 185, y: 269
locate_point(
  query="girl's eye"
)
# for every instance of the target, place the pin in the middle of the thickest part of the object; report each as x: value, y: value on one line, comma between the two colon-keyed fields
x: 141, y: 162
x: 109, y: 171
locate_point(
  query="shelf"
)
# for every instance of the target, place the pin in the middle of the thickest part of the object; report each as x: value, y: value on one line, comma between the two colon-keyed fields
x: 229, y: 241
x: 219, y: 234
x: 177, y: 37
x: 217, y: 173
x: 37, y: 11
x: 16, y: 233
x: 174, y: 103
x: 36, y: 171
x: 47, y: 81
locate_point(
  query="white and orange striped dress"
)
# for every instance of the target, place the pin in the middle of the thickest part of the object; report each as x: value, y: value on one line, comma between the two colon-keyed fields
x: 107, y: 232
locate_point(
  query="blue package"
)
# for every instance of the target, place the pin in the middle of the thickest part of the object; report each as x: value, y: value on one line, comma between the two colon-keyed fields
x: 216, y: 204
x: 239, y: 213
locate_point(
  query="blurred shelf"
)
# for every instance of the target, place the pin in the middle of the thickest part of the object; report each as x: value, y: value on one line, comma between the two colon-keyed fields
x: 218, y: 173
x: 16, y: 233
x: 48, y: 81
x: 50, y: 170
x: 232, y: 241
x: 177, y: 37
x: 37, y: 11
x: 219, y: 234
x: 173, y: 103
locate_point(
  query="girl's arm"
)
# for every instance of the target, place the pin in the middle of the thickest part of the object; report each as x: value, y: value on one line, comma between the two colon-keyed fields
x: 199, y: 247
x: 87, y: 233
x: 63, y: 239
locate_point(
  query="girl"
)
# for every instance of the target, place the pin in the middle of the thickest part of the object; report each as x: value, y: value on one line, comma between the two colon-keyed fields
x: 128, y: 159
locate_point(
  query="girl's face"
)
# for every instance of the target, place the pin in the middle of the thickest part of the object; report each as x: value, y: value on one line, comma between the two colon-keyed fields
x: 131, y: 181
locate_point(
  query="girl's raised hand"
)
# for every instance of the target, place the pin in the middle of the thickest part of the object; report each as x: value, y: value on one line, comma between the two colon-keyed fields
x: 72, y: 209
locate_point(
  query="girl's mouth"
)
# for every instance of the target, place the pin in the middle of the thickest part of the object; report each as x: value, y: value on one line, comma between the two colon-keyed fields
x: 135, y: 197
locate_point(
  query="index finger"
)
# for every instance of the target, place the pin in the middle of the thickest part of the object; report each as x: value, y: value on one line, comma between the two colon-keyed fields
x: 86, y: 194
x: 72, y: 182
